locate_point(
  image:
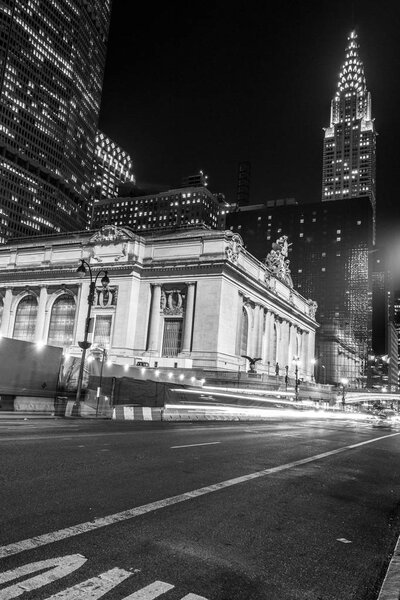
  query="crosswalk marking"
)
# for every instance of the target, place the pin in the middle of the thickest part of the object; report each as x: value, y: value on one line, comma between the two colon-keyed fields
x: 90, y: 589
x: 150, y: 591
x: 58, y: 567
x: 93, y: 588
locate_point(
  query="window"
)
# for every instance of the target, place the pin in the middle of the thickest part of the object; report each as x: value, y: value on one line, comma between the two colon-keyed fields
x: 62, y: 320
x: 102, y: 331
x: 172, y: 337
x: 25, y: 319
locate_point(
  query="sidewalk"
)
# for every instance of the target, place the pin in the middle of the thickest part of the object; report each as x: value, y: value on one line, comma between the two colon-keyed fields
x: 6, y: 415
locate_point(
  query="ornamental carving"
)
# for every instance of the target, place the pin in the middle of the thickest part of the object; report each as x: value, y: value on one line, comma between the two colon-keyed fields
x: 312, y: 308
x: 277, y: 260
x: 106, y: 297
x: 233, y: 248
x: 172, y: 302
x: 111, y: 234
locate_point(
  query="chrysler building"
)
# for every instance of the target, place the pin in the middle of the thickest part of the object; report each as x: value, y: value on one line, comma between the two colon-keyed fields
x: 350, y: 139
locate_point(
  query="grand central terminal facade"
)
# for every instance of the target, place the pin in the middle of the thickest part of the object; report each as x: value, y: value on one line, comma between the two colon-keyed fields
x: 189, y: 299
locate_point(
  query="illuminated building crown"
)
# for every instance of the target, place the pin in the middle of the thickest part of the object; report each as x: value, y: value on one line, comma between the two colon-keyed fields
x: 351, y: 76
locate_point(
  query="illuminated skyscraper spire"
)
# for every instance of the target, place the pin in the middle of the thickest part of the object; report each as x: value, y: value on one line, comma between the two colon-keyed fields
x: 350, y: 139
x: 351, y: 76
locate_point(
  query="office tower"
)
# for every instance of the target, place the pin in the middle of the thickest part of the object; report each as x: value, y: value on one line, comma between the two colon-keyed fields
x: 179, y: 207
x: 329, y: 261
x: 350, y: 139
x: 243, y: 184
x: 396, y: 322
x: 112, y: 167
x: 198, y: 180
x: 52, y: 58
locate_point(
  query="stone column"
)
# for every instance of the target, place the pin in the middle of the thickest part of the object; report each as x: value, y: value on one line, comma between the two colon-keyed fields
x: 284, y: 345
x: 154, y: 321
x: 5, y: 320
x: 189, y: 313
x: 275, y: 349
x: 292, y: 345
x: 41, y: 315
x: 270, y: 342
x: 310, y: 351
x: 258, y: 325
x: 265, y: 337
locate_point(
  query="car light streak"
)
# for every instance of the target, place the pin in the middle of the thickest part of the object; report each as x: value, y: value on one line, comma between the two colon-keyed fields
x: 239, y: 396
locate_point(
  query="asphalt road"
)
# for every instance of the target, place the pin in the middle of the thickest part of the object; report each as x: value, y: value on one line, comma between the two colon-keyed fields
x: 303, y: 510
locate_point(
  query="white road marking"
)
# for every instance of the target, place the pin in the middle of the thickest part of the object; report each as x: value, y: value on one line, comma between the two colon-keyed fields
x: 193, y: 597
x: 93, y: 588
x: 390, y: 589
x: 150, y: 591
x: 192, y: 445
x: 344, y: 540
x: 59, y: 567
x: 62, y: 534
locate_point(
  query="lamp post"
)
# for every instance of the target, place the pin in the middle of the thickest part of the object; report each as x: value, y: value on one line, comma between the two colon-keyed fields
x: 296, y: 361
x: 344, y: 381
x: 324, y: 368
x: 82, y: 270
x: 97, y: 352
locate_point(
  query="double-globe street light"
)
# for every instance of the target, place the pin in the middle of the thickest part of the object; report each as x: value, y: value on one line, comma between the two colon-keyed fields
x: 296, y: 362
x: 344, y: 381
x: 82, y: 270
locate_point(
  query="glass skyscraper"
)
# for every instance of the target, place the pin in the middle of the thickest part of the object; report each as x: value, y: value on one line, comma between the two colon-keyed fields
x: 350, y: 139
x: 52, y: 58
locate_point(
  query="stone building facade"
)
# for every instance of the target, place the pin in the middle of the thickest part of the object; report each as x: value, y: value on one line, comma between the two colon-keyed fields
x: 190, y: 299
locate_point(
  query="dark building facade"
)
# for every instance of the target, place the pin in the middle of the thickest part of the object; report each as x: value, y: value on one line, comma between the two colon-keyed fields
x: 52, y: 58
x: 350, y: 140
x: 243, y: 184
x: 330, y: 263
x: 180, y: 207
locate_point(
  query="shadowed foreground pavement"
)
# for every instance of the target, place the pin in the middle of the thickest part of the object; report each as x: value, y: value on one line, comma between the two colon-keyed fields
x: 307, y: 524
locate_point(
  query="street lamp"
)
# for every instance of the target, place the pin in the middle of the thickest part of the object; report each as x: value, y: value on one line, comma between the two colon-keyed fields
x: 296, y: 362
x: 97, y: 352
x: 344, y: 381
x: 85, y: 345
x: 324, y: 368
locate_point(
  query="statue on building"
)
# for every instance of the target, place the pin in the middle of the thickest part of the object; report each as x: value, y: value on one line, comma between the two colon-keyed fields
x: 252, y: 363
x: 313, y: 308
x: 277, y: 260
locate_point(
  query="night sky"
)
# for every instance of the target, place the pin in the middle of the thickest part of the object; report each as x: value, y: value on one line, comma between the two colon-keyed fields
x: 192, y: 86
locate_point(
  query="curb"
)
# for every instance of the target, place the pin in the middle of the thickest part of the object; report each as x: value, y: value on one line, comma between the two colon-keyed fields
x: 390, y: 589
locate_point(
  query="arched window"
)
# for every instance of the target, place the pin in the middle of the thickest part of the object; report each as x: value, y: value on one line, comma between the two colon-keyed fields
x: 244, y: 333
x: 62, y: 320
x: 25, y: 319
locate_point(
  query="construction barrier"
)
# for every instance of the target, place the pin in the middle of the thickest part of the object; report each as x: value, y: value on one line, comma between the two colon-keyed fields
x: 136, y: 413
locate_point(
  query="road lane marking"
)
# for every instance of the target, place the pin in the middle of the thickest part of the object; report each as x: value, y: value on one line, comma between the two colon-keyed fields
x: 192, y: 445
x: 93, y: 588
x: 62, y: 534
